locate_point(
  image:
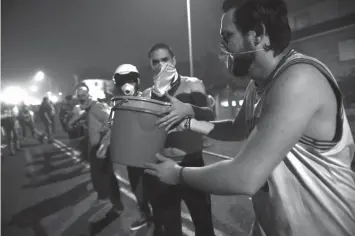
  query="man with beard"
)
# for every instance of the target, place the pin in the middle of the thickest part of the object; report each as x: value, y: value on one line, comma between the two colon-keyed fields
x: 102, y: 173
x: 295, y: 163
x: 185, y: 146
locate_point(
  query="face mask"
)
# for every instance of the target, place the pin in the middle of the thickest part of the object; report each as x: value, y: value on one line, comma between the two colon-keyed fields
x: 238, y: 64
x: 128, y: 89
x: 164, y: 78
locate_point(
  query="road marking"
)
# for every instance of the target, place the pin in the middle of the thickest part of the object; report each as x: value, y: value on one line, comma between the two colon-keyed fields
x: 129, y: 194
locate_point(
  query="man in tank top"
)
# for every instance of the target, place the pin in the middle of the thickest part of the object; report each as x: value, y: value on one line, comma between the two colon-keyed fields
x: 295, y: 162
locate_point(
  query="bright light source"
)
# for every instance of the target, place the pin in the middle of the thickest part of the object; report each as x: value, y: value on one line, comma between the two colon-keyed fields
x: 34, y: 88
x: 234, y: 103
x: 225, y: 103
x: 241, y: 102
x: 39, y: 76
x: 13, y: 95
x: 49, y: 93
x: 53, y: 98
x: 60, y: 94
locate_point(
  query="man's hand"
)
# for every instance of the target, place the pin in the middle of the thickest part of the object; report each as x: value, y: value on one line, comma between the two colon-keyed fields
x: 175, y: 113
x: 166, y: 170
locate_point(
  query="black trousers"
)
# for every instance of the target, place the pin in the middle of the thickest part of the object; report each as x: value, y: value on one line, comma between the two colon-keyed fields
x: 140, y: 188
x: 166, y: 204
x: 27, y: 123
x: 104, y: 180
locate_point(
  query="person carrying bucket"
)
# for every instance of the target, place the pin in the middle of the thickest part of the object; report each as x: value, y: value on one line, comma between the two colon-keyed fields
x: 101, y: 169
x: 297, y: 143
x: 127, y: 82
x: 186, y: 147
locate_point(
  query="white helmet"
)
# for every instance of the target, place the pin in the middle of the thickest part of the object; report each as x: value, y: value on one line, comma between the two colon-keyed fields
x: 126, y: 69
x: 124, y: 75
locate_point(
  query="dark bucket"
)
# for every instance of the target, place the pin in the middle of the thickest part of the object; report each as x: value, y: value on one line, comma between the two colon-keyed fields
x: 135, y: 138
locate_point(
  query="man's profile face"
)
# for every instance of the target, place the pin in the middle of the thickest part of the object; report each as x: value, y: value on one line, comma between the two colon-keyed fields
x: 160, y: 57
x: 237, y: 44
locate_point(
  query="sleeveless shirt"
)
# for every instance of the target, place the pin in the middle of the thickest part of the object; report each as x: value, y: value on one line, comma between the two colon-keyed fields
x: 312, y: 191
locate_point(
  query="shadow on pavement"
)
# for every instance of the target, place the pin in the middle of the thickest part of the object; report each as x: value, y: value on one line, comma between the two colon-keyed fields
x: 57, y: 178
x: 47, y: 167
x: 31, y: 217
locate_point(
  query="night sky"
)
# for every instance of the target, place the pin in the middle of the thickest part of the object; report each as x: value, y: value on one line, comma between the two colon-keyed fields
x: 62, y: 37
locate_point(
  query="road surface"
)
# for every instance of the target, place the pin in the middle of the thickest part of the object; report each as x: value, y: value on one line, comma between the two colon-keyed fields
x: 46, y: 191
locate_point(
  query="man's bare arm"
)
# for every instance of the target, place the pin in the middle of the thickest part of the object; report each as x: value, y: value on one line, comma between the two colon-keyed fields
x: 294, y: 99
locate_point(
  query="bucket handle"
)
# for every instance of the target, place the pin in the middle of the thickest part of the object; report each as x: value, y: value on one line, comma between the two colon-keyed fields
x: 113, y: 108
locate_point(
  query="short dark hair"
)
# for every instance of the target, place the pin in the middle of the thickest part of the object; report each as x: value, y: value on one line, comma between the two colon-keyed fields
x: 160, y: 46
x: 82, y: 85
x: 251, y: 14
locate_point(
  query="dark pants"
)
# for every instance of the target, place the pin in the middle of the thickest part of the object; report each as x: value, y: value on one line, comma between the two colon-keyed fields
x: 27, y: 123
x: 104, y: 180
x: 166, y: 204
x: 137, y: 180
x: 11, y: 134
x: 48, y: 130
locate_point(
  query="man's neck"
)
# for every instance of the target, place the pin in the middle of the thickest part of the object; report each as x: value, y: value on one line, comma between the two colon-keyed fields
x: 264, y: 65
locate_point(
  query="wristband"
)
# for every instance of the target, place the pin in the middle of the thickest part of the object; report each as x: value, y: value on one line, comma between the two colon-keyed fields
x: 187, y: 123
x: 181, y: 178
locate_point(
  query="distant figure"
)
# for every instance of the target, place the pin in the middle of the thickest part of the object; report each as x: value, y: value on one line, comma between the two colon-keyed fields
x: 46, y: 113
x: 8, y: 123
x: 26, y: 119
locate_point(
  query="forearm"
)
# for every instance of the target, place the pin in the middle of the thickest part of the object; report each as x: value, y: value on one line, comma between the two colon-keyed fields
x: 218, y: 130
x: 218, y: 179
x: 200, y: 108
x: 75, y: 119
x: 203, y: 113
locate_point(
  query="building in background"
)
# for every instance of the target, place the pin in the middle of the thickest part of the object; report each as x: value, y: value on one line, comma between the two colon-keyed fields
x: 325, y: 29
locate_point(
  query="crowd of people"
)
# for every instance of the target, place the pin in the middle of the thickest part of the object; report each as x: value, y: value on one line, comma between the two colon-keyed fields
x: 295, y: 163
x: 16, y: 119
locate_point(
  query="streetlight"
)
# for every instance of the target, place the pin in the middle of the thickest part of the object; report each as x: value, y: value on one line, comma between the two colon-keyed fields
x: 60, y: 94
x: 188, y: 9
x: 39, y: 76
x: 34, y: 88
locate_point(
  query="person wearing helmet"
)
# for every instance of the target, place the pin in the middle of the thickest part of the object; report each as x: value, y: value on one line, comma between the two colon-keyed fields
x: 126, y: 80
x: 127, y: 83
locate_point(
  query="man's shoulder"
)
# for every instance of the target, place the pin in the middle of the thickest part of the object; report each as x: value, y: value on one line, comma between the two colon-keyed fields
x: 190, y: 80
x: 302, y: 80
x: 193, y: 83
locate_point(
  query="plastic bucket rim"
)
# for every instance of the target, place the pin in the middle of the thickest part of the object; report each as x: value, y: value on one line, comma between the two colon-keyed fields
x: 142, y: 99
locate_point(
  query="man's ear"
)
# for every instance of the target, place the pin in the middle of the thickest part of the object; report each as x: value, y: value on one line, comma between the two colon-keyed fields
x: 257, y: 34
x: 174, y: 61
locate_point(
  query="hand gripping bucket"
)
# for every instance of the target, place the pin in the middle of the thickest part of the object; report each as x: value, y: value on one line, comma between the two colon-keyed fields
x: 135, y: 138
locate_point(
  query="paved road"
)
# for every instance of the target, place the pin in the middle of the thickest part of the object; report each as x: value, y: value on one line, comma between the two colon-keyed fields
x: 46, y: 191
